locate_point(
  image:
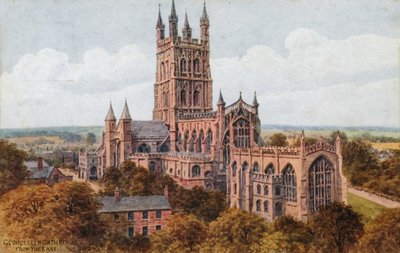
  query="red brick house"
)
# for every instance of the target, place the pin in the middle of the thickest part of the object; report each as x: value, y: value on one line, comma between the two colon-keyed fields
x: 134, y: 215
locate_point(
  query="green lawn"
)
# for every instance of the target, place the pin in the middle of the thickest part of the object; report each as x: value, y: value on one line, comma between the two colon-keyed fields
x: 367, y: 208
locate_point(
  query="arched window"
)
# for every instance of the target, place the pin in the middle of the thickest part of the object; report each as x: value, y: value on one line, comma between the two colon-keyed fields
x: 192, y: 139
x: 208, y: 141
x: 241, y: 133
x: 200, y: 141
x: 277, y: 190
x: 269, y: 170
x: 183, y: 66
x: 152, y: 166
x: 289, y: 184
x: 234, y: 189
x: 196, y: 65
x: 258, y: 189
x: 143, y: 148
x: 227, y: 149
x: 196, y: 171
x: 196, y: 97
x: 256, y: 168
x: 185, y: 140
x: 266, y: 206
x: 320, y: 183
x: 266, y: 190
x: 243, y: 183
x: 258, y: 205
x: 278, y: 209
x: 208, y: 174
x: 234, y: 169
x: 183, y: 97
x: 162, y: 70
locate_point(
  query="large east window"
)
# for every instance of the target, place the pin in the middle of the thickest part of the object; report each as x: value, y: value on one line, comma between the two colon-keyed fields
x: 289, y: 184
x: 320, y: 183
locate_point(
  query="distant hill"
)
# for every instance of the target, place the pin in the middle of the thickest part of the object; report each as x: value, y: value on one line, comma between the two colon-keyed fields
x: 67, y: 132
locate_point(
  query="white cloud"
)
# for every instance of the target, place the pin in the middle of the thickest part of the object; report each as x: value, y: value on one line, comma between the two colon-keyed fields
x: 320, y: 82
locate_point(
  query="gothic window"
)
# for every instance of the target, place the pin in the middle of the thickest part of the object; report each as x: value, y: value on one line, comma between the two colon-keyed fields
x: 256, y: 168
x: 266, y: 206
x: 258, y: 205
x: 192, y: 139
x: 196, y: 97
x: 320, y: 183
x: 196, y: 65
x: 164, y: 148
x: 208, y: 174
x: 143, y: 148
x: 183, y: 97
x: 185, y: 140
x: 243, y: 183
x: 277, y: 190
x: 227, y: 149
x: 209, y: 141
x: 242, y: 133
x: 196, y: 171
x: 270, y: 170
x: 152, y: 166
x: 289, y: 184
x: 234, y: 169
x: 258, y: 189
x: 199, y: 141
x: 266, y: 190
x: 183, y: 66
x: 278, y: 209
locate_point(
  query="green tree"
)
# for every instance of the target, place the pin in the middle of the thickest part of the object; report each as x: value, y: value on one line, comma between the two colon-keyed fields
x: 336, y: 227
x: 235, y: 231
x: 343, y: 137
x: 90, y: 138
x: 13, y: 172
x: 278, y: 139
x: 183, y: 233
x: 382, y: 234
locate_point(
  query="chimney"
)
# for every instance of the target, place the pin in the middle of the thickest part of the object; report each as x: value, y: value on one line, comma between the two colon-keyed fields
x: 40, y: 163
x: 116, y: 195
x: 166, y: 191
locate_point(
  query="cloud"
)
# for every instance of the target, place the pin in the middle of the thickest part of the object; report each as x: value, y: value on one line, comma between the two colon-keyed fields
x: 319, y: 81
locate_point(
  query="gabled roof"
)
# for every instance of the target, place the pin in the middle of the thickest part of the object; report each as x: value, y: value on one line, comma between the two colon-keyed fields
x: 35, y: 173
x: 135, y: 203
x: 149, y: 129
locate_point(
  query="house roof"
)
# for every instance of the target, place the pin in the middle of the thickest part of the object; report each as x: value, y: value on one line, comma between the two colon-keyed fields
x: 133, y: 203
x: 149, y: 129
x: 32, y: 167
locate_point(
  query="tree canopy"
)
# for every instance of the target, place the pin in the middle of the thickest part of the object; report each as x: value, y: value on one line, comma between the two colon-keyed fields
x: 278, y: 139
x: 90, y: 138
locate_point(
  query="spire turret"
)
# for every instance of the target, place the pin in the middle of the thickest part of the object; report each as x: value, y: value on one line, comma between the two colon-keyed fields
x: 204, y: 16
x: 220, y: 99
x: 186, y: 31
x: 173, y: 12
x: 255, y: 102
x: 125, y: 113
x: 204, y: 25
x: 110, y: 115
x: 160, y: 25
x: 173, y: 22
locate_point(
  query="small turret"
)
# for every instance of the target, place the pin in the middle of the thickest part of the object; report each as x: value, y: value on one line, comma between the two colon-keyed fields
x: 160, y: 27
x: 110, y: 115
x: 125, y: 113
x: 338, y: 144
x: 220, y: 99
x: 173, y: 22
x: 204, y: 25
x: 186, y: 31
x: 255, y: 102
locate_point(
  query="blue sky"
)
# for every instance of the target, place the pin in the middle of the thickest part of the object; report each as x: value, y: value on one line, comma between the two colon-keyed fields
x: 311, y: 62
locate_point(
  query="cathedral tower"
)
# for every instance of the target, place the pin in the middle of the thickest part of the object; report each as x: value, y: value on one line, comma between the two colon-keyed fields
x: 183, y: 78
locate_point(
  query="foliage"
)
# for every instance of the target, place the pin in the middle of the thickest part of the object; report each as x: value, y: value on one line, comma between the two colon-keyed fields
x: 90, y: 138
x: 368, y: 209
x: 278, y: 139
x: 309, y: 141
x: 342, y: 135
x: 382, y: 234
x: 336, y: 227
x: 68, y: 211
x: 235, y: 231
x: 12, y: 169
x: 182, y: 233
x: 120, y: 243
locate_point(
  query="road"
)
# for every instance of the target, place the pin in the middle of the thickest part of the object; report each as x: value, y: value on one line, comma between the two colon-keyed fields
x: 375, y: 198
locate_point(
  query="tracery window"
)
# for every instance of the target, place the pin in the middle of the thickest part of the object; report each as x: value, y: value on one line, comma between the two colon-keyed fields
x: 270, y: 170
x: 241, y: 133
x: 196, y: 171
x: 266, y: 190
x: 258, y: 206
x: 143, y: 148
x: 234, y: 169
x: 320, y: 183
x: 258, y: 189
x: 256, y: 168
x: 289, y: 184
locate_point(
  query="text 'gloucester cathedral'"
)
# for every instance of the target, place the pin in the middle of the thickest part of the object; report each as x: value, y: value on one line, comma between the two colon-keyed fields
x: 217, y: 149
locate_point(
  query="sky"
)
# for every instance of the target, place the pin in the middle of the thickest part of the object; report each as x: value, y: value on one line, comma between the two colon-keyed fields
x: 314, y: 63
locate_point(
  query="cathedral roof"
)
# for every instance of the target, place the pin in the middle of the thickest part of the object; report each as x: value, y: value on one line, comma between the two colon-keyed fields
x: 149, y: 129
x: 135, y: 203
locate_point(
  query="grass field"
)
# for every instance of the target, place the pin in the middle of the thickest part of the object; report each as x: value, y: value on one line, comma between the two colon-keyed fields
x: 388, y: 145
x: 33, y: 139
x: 366, y: 208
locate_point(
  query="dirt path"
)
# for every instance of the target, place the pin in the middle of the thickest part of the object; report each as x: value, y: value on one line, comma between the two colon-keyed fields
x: 375, y: 198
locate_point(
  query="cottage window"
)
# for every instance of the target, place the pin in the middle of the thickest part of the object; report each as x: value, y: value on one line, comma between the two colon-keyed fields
x: 145, y: 215
x: 158, y: 227
x: 158, y: 214
x: 130, y: 215
x: 116, y: 217
x: 145, y: 231
x: 130, y: 231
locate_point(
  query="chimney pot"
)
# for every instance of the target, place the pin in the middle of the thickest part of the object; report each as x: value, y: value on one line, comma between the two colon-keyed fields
x: 166, y: 191
x: 40, y: 163
x: 116, y: 195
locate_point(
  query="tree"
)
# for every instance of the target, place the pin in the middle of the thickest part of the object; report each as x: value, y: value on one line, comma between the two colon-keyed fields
x: 235, y: 231
x: 337, y: 227
x: 343, y: 137
x: 382, y: 234
x: 90, y: 138
x: 68, y: 211
x: 278, y: 139
x: 182, y: 233
x: 309, y: 141
x: 12, y: 169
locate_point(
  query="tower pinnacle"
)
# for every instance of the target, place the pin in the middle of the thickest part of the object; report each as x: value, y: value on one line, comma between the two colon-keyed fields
x: 255, y: 102
x: 125, y: 113
x: 110, y: 115
x: 186, y: 31
x: 220, y: 99
x: 159, y: 20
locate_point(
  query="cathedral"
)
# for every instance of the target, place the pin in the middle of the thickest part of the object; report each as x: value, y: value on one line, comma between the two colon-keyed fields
x: 219, y: 148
